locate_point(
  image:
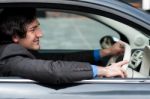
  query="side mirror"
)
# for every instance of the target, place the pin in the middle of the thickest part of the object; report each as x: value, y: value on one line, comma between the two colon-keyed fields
x: 107, y: 41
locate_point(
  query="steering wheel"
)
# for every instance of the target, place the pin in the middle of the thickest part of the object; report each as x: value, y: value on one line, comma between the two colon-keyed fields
x: 127, y: 55
x: 129, y: 71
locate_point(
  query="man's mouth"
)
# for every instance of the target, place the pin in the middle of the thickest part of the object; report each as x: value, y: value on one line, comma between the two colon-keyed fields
x: 36, y: 41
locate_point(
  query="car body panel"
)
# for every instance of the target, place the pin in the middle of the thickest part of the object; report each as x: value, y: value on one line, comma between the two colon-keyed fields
x: 22, y: 88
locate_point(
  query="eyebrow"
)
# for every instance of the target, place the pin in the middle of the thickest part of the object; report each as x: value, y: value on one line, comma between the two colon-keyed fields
x: 34, y: 26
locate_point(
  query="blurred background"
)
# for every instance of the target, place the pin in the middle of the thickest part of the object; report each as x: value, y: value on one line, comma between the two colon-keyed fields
x: 141, y: 4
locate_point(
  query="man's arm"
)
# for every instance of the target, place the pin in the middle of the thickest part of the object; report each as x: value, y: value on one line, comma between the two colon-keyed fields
x: 17, y: 61
x: 47, y: 71
x: 116, y: 49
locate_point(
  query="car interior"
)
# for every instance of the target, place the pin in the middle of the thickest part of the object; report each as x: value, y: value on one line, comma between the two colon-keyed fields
x: 135, y: 45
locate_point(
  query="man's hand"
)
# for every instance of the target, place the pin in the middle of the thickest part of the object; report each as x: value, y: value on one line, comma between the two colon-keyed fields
x: 116, y: 49
x: 113, y: 70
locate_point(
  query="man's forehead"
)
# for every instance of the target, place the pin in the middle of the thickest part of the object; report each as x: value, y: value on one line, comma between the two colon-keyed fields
x: 33, y: 24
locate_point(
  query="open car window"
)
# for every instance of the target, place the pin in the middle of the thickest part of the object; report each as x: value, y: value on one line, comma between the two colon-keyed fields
x: 64, y: 30
x: 74, y: 30
x: 69, y: 30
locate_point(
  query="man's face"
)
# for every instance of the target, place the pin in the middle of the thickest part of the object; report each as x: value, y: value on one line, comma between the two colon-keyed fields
x: 33, y: 35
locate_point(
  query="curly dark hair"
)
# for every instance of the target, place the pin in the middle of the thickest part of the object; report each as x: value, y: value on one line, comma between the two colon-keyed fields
x: 13, y: 21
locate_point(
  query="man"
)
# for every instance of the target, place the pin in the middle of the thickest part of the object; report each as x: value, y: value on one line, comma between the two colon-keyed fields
x: 20, y: 33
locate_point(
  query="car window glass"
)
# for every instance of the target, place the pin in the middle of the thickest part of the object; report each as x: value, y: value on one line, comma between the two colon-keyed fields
x: 64, y: 30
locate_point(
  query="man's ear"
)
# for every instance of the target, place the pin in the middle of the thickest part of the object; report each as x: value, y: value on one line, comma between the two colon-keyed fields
x: 15, y: 38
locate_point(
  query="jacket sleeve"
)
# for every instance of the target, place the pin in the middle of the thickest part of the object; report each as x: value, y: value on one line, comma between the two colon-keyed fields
x: 47, y: 71
x: 17, y: 61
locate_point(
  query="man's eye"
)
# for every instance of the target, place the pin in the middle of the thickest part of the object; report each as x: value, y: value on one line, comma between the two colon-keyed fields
x: 32, y: 30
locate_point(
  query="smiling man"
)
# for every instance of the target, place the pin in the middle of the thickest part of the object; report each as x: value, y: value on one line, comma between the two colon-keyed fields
x: 20, y: 33
x: 31, y: 41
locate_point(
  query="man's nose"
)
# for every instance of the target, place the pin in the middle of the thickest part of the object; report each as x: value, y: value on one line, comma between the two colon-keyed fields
x: 39, y: 33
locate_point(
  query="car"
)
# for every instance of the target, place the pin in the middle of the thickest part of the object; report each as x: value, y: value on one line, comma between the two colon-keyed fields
x: 78, y: 25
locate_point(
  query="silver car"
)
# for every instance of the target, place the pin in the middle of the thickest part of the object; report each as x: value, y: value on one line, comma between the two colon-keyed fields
x: 77, y: 25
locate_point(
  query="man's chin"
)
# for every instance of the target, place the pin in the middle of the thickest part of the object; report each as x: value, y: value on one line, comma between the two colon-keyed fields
x: 35, y: 47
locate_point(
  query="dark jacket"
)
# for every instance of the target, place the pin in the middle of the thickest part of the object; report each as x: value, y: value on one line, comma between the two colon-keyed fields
x: 15, y: 60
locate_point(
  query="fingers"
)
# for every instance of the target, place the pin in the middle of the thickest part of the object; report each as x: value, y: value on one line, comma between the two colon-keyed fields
x: 121, y: 43
x: 116, y: 69
x: 121, y: 63
x: 124, y: 73
x: 121, y: 73
x: 118, y: 48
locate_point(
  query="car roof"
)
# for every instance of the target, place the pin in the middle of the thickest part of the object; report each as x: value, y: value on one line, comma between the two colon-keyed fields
x: 114, y: 4
x: 124, y: 7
